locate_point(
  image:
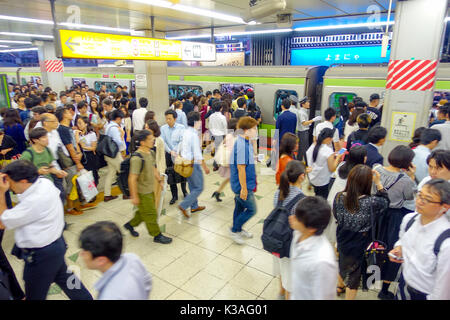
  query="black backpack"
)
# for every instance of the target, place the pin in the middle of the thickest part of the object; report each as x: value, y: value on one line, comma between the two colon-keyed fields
x: 122, y: 179
x: 277, y: 233
x: 442, y: 237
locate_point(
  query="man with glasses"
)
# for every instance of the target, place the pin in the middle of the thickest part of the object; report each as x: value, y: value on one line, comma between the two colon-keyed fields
x: 424, y: 246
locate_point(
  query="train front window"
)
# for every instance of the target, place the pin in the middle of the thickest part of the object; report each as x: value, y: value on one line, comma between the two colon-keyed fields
x: 178, y: 91
x: 334, y: 101
x: 235, y: 88
x: 110, y: 86
x: 280, y: 95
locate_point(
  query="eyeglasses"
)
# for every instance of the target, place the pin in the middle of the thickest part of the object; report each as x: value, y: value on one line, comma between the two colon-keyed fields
x: 421, y: 197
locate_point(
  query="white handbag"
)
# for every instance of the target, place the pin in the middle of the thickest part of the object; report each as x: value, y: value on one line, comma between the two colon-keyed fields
x: 86, y: 184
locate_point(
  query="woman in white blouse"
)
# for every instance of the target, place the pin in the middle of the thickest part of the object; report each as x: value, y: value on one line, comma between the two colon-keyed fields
x: 87, y: 139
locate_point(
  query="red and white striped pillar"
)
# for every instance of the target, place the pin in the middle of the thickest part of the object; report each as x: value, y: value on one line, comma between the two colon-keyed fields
x: 52, y: 68
x: 415, y: 51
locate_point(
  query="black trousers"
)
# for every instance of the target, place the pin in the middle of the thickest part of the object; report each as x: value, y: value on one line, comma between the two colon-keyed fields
x: 303, y: 145
x: 14, y: 286
x: 321, y: 191
x: 173, y: 178
x: 46, y: 265
x: 406, y: 292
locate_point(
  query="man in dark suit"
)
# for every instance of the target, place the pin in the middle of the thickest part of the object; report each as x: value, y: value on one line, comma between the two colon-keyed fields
x: 376, y: 138
x: 188, y: 106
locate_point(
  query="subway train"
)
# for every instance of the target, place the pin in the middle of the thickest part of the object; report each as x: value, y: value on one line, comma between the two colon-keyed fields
x: 323, y: 85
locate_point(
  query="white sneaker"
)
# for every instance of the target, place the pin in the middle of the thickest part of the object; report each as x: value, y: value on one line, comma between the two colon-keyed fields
x: 236, y: 236
x: 246, y: 234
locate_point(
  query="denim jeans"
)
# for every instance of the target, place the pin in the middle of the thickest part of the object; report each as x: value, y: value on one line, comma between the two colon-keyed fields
x: 195, y: 182
x: 243, y: 211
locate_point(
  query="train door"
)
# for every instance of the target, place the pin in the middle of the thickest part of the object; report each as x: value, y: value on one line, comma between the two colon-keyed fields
x: 5, y: 100
x: 110, y: 86
x: 334, y: 103
x: 177, y: 91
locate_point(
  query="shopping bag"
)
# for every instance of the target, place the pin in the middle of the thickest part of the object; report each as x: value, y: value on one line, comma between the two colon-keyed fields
x: 86, y: 185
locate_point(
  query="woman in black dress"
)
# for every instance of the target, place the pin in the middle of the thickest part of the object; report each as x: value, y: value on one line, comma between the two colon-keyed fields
x: 352, y: 211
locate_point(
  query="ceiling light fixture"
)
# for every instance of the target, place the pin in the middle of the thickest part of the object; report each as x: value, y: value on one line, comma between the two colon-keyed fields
x: 19, y: 50
x: 20, y: 19
x: 345, y: 26
x: 33, y: 35
x: 15, y: 41
x: 192, y: 10
x: 225, y: 34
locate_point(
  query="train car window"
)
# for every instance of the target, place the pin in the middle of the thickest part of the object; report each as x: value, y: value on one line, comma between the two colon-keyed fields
x: 177, y: 91
x: 279, y: 96
x: 235, y: 88
x: 78, y: 81
x: 334, y: 100
x: 110, y: 86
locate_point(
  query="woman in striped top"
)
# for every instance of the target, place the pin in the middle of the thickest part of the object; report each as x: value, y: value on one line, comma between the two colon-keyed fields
x: 290, y: 186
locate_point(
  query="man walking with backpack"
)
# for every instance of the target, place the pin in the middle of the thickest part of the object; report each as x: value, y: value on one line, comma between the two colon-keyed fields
x: 141, y: 182
x: 424, y: 246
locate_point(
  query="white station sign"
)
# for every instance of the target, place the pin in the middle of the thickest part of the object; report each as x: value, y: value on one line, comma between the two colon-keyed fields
x: 196, y: 51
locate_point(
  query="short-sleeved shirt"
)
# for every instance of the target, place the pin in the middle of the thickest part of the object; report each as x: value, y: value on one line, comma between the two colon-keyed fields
x: 303, y: 115
x: 43, y: 159
x: 242, y: 155
x: 66, y: 135
x: 146, y: 179
x: 326, y: 124
x: 320, y: 174
x: 89, y: 139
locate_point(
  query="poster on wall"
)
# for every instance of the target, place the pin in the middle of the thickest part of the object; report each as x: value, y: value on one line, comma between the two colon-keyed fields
x: 227, y: 59
x: 402, y: 126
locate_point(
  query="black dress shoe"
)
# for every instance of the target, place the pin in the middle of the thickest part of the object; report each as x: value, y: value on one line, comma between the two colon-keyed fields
x: 160, y: 238
x: 109, y: 198
x: 217, y: 196
x: 173, y: 200
x: 133, y: 232
x: 386, y: 296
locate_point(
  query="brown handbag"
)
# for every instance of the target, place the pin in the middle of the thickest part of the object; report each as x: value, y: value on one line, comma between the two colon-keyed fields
x: 183, y: 167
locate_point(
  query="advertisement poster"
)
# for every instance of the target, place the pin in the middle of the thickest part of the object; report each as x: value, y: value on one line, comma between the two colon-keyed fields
x: 227, y: 59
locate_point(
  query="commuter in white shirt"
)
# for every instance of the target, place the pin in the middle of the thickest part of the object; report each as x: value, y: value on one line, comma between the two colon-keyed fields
x: 330, y: 116
x: 190, y: 149
x: 313, y: 262
x: 444, y: 128
x: 124, y: 275
x: 218, y: 124
x: 38, y: 220
x: 424, y: 246
x: 438, y: 167
x: 139, y: 115
x: 429, y: 139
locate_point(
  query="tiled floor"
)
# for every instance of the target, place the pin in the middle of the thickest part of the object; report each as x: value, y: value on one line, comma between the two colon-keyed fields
x: 202, y: 262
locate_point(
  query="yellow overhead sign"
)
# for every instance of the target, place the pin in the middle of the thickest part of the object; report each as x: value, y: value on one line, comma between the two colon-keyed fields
x: 93, y: 45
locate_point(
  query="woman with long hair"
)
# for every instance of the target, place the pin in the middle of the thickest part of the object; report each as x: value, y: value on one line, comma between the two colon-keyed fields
x: 352, y: 125
x: 399, y: 181
x: 323, y: 162
x: 15, y: 129
x: 222, y: 157
x: 87, y: 139
x: 126, y: 126
x: 357, y: 155
x: 290, y: 187
x: 352, y: 209
x: 288, y: 146
x: 416, y: 138
x: 203, y: 108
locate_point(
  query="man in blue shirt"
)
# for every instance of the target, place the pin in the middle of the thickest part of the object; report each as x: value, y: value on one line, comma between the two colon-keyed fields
x: 376, y: 138
x: 181, y: 116
x: 243, y: 178
x: 190, y: 150
x: 287, y: 120
x: 429, y: 139
x: 172, y: 134
x: 373, y: 110
x: 124, y: 275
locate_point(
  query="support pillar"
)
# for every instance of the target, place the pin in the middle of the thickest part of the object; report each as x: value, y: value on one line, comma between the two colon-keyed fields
x: 152, y: 83
x: 415, y: 53
x: 52, y: 68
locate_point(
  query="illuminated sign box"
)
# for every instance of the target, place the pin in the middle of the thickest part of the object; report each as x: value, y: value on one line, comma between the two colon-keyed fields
x: 93, y: 45
x: 340, y: 55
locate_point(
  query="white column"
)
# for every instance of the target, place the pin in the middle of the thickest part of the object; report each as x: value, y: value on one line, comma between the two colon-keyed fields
x: 156, y: 88
x: 417, y: 39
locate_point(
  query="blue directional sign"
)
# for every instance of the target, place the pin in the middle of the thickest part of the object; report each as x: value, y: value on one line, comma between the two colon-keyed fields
x: 329, y: 56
